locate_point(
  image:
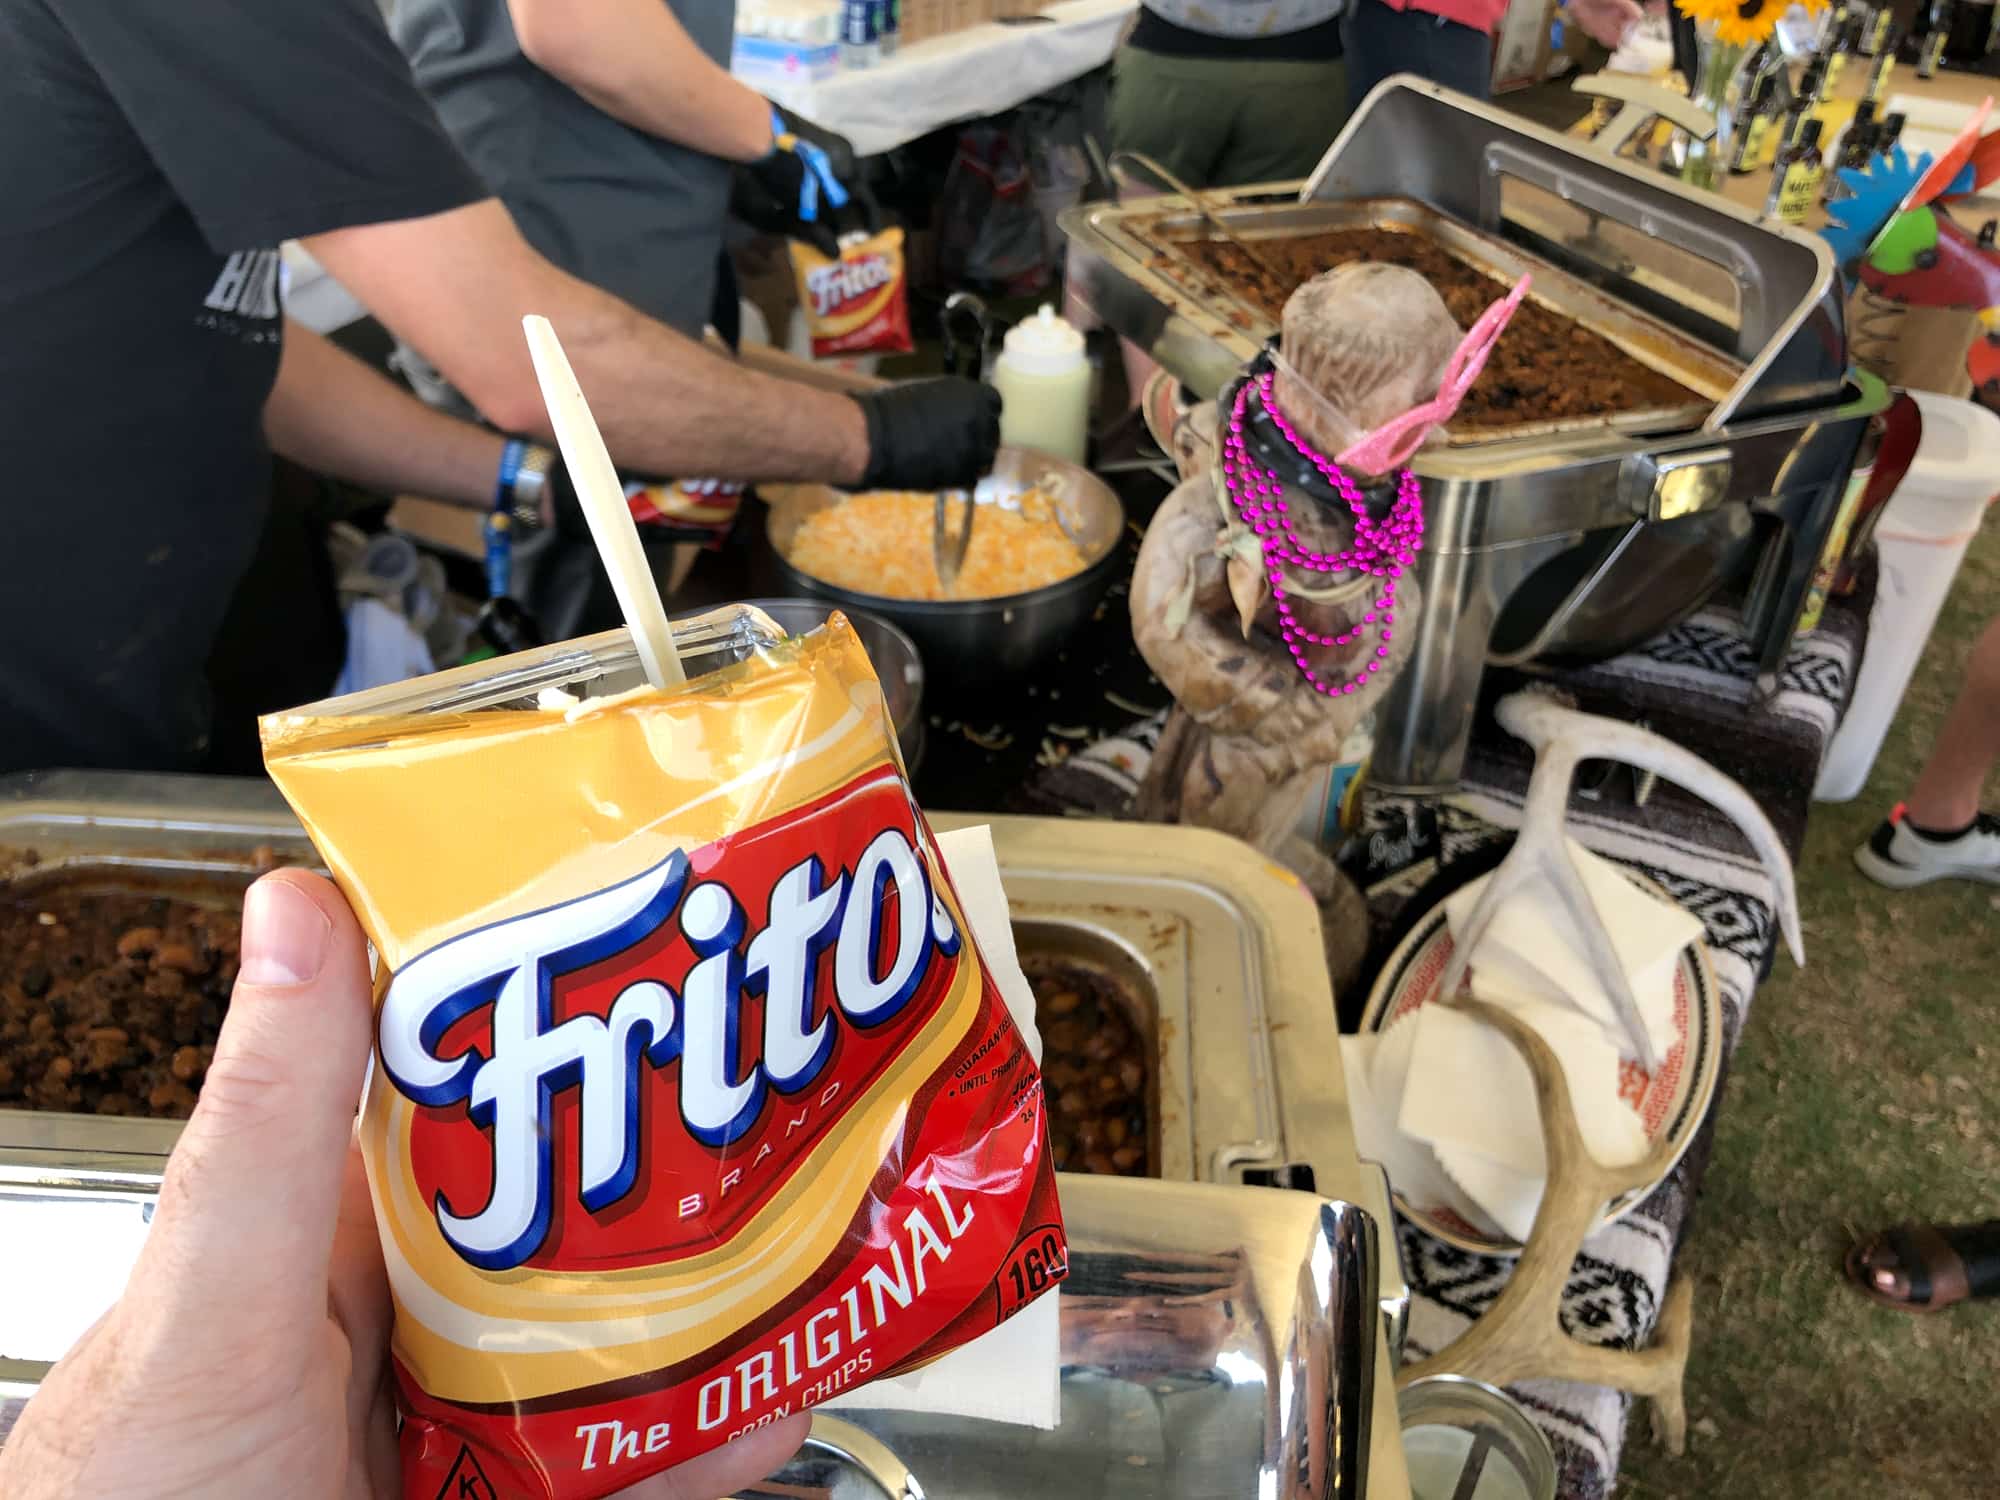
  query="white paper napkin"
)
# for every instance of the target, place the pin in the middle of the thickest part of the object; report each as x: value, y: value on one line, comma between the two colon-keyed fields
x: 1012, y: 1373
x: 1470, y: 1094
x: 1375, y: 1066
x: 1533, y: 950
x: 1506, y: 1198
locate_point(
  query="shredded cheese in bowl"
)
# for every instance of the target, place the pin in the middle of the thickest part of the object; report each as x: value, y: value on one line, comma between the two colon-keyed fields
x: 879, y: 542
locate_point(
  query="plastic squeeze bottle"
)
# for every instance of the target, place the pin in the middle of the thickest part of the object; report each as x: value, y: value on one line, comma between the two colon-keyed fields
x: 1044, y: 385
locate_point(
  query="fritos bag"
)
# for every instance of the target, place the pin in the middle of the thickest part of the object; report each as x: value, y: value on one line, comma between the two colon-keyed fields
x: 860, y: 303
x: 693, y: 1102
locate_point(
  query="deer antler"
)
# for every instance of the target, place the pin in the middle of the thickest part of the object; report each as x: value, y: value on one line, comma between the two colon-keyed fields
x: 1521, y: 1336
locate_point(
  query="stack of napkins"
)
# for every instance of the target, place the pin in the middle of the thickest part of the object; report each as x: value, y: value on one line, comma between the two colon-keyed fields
x: 1446, y: 1104
x: 1532, y: 950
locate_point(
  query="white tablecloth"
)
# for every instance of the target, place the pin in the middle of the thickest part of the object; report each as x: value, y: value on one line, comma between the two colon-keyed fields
x: 980, y: 71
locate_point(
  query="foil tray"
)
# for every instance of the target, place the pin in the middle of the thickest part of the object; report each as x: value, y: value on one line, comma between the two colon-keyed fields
x: 1219, y: 948
x: 1135, y: 274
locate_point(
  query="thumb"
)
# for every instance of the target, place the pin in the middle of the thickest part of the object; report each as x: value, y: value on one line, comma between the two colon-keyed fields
x: 252, y: 1192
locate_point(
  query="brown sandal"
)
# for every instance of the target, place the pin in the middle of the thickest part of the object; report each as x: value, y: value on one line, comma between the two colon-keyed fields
x: 1925, y: 1268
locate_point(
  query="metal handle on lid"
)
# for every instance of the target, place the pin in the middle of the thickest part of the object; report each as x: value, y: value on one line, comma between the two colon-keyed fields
x: 867, y: 1453
x: 1663, y: 486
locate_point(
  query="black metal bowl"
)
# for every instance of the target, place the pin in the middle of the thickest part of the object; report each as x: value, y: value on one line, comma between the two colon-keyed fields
x: 968, y: 643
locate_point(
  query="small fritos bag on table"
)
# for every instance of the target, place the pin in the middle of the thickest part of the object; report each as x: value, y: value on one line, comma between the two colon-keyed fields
x: 693, y: 1102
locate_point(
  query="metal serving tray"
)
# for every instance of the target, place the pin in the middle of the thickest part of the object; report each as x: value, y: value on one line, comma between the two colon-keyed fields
x: 1681, y: 280
x: 1221, y: 947
x: 1147, y: 244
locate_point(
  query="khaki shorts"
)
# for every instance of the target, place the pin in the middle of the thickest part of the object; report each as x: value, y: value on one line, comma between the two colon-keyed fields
x: 1220, y: 122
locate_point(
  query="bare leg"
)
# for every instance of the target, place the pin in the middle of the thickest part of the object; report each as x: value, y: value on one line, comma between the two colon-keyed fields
x: 1946, y: 795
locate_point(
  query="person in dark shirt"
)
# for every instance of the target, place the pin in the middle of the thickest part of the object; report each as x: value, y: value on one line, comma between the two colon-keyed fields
x: 614, y: 133
x: 153, y: 155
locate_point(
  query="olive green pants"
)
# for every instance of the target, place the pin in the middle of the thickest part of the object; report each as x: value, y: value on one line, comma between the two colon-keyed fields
x: 1217, y: 123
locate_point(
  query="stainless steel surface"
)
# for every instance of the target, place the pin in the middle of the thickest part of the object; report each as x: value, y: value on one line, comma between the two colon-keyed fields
x: 1226, y: 944
x: 949, y: 545
x: 1146, y: 243
x: 1472, y: 1406
x: 890, y: 651
x: 1458, y: 155
x: 966, y: 643
x: 1778, y: 443
x: 1617, y: 589
x: 1241, y: 1362
x: 1488, y: 531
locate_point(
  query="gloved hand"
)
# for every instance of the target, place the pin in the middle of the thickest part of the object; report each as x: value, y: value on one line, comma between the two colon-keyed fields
x: 932, y: 434
x: 805, y: 188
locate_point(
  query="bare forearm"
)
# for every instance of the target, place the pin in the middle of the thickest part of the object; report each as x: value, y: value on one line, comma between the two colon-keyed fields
x: 635, y: 61
x: 457, y: 285
x: 335, y: 415
x: 668, y: 405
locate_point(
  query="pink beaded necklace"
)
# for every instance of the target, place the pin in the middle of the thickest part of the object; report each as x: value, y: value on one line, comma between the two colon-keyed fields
x: 1382, y: 550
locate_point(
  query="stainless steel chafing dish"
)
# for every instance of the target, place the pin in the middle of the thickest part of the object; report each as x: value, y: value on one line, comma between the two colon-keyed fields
x: 1205, y: 1389
x: 1570, y: 521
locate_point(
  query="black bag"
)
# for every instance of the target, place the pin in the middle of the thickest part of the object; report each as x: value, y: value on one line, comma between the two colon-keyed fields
x: 989, y: 231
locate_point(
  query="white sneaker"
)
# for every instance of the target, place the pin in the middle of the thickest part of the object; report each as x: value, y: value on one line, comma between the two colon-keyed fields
x: 1897, y: 855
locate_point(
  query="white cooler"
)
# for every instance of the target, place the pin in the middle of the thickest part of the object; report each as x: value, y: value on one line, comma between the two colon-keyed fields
x: 1922, y: 536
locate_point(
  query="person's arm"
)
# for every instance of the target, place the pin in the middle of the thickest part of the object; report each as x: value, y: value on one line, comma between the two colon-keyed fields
x: 1606, y: 21
x: 457, y: 285
x: 333, y: 414
x: 634, y: 61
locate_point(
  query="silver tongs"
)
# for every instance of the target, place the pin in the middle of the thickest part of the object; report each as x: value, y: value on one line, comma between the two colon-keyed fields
x: 1199, y: 201
x: 1563, y: 739
x: 948, y: 548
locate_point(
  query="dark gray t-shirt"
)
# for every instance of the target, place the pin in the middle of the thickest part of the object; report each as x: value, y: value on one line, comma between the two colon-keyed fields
x: 631, y: 213
x: 153, y: 153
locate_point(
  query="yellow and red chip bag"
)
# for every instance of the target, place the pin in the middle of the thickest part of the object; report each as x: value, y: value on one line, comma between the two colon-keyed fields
x: 670, y: 1131
x: 860, y: 303
x: 702, y: 510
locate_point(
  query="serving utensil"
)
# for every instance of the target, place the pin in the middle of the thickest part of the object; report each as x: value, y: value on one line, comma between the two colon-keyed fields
x: 948, y: 547
x: 1200, y: 203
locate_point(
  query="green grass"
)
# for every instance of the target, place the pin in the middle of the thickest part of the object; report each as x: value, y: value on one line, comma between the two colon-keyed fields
x: 1864, y: 1093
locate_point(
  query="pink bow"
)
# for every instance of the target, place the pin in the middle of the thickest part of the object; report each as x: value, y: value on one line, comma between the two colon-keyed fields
x: 1390, y: 445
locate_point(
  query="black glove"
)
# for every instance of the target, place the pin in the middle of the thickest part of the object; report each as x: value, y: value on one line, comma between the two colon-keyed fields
x: 775, y: 193
x: 933, y: 434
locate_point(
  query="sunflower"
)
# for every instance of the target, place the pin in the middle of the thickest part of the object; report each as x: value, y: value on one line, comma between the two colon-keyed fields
x: 1740, y: 22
